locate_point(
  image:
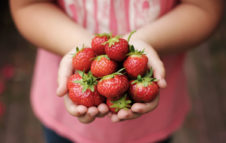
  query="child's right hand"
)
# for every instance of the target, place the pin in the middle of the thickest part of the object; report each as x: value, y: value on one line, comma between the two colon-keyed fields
x: 84, y: 114
x: 154, y: 61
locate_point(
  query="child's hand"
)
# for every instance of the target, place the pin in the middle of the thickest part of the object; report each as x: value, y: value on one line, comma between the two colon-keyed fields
x: 84, y: 114
x: 138, y: 109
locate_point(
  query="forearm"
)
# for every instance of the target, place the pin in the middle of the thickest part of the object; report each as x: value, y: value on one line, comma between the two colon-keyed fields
x: 184, y: 27
x: 46, y: 26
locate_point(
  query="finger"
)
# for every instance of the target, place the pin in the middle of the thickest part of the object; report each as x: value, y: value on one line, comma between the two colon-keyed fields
x: 122, y: 114
x: 142, y: 108
x: 82, y: 109
x: 89, y: 116
x: 114, y: 118
x: 65, y: 71
x: 158, y: 67
x: 92, y: 111
x: 127, y: 114
x: 103, y: 110
x: 73, y: 109
x: 109, y: 114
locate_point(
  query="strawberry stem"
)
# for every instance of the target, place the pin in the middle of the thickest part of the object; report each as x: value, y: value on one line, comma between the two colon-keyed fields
x: 131, y: 33
x: 120, y: 70
x: 113, y: 74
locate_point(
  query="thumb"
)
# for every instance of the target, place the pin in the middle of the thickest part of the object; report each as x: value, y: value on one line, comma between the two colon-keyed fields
x: 62, y: 89
x: 64, y: 72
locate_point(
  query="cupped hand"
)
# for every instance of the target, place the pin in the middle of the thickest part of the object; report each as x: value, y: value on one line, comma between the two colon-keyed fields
x: 136, y: 111
x: 84, y: 114
x: 157, y: 66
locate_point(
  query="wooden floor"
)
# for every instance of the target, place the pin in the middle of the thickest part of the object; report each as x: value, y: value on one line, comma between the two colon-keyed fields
x: 205, y: 69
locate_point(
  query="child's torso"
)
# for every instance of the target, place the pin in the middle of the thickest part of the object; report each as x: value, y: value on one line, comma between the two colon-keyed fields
x: 118, y: 17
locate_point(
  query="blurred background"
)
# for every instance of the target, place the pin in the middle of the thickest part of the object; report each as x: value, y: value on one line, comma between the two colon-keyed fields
x: 205, y: 69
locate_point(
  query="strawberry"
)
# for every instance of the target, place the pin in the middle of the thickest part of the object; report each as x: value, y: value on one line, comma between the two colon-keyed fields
x: 97, y: 43
x: 102, y: 66
x: 136, y: 63
x: 113, y: 86
x: 88, y: 98
x: 116, y: 48
x: 144, y: 89
x: 83, y: 59
x: 122, y: 103
x: 72, y: 78
x: 84, y: 92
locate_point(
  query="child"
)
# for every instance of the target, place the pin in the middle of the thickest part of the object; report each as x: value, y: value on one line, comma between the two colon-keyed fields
x: 168, y: 28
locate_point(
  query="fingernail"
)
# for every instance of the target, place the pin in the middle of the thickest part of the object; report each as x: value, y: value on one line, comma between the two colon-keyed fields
x: 127, y: 115
x: 115, y: 120
x: 138, y: 110
x: 81, y: 110
x: 164, y: 82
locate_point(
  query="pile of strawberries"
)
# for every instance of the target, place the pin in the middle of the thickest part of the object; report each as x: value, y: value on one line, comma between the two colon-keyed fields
x: 111, y: 72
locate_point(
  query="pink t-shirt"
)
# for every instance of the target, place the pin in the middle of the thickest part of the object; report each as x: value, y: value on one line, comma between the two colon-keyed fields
x: 119, y: 17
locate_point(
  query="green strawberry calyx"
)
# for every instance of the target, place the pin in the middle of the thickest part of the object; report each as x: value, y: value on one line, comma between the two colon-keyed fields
x: 88, y: 81
x: 146, y: 80
x: 122, y: 103
x: 81, y: 73
x: 113, y: 74
x: 98, y: 58
x: 134, y: 52
x: 112, y: 40
x: 78, y: 50
x: 108, y: 35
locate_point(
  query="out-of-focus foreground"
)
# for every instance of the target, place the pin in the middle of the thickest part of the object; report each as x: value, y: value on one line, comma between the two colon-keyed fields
x: 205, y: 69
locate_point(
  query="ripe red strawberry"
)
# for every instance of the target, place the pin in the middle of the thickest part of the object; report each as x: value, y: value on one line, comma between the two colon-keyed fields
x: 88, y: 98
x: 144, y: 89
x: 102, y: 66
x: 83, y: 59
x: 74, y: 77
x: 136, y: 63
x: 84, y: 92
x: 122, y: 103
x: 98, y: 43
x: 113, y: 85
x: 116, y: 48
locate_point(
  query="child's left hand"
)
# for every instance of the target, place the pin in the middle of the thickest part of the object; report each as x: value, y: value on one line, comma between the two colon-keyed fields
x: 83, y: 113
x: 138, y: 109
